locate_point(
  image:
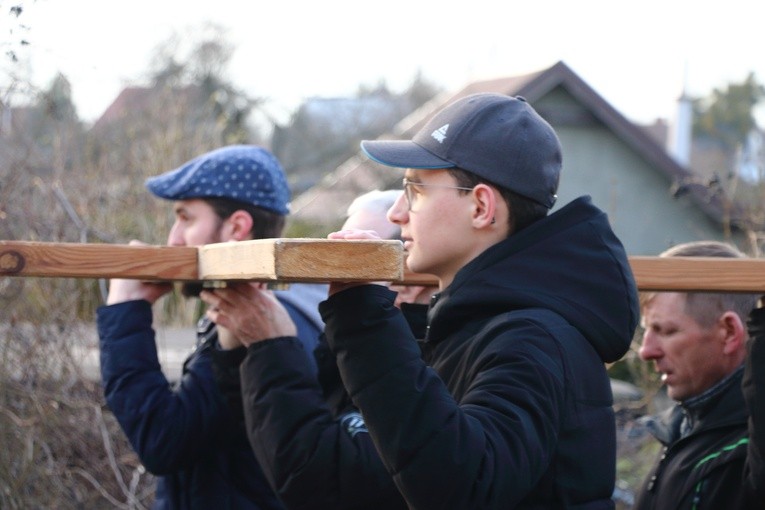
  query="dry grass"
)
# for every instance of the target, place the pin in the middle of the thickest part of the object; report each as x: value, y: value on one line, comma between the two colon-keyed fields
x: 59, y: 447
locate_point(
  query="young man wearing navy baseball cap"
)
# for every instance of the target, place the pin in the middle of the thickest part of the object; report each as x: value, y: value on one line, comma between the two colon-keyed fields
x: 185, y: 433
x: 506, y: 402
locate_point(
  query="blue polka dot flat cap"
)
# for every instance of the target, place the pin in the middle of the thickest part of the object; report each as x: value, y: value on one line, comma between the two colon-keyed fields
x: 245, y: 173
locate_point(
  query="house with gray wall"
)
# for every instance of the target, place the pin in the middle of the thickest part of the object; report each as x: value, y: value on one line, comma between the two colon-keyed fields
x: 652, y: 199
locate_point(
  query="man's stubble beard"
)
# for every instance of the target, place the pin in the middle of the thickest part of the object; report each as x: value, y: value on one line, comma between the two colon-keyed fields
x: 194, y: 288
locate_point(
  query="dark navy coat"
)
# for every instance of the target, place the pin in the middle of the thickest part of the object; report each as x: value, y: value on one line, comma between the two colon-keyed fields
x: 185, y: 434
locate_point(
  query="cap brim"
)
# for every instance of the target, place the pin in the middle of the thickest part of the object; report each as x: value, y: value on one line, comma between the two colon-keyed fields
x: 402, y: 154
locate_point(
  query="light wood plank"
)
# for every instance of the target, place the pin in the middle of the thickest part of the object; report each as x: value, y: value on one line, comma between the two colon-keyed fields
x: 82, y: 260
x: 303, y: 260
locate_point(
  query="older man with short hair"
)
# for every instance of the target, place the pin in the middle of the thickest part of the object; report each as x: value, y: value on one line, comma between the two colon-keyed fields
x: 713, y: 452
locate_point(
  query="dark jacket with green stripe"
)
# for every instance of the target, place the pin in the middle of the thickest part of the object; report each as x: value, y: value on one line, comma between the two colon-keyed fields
x: 720, y: 464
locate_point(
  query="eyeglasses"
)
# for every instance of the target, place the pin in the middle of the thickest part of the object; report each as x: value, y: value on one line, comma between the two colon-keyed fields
x: 409, y: 189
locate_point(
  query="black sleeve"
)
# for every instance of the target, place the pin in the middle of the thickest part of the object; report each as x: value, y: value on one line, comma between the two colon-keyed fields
x: 754, y: 393
x: 486, y: 451
x: 311, y: 458
x: 335, y: 395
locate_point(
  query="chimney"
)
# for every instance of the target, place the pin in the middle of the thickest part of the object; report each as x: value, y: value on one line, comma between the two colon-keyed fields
x: 681, y: 130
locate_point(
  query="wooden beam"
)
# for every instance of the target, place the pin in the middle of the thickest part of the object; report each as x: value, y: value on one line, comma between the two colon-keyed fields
x: 320, y: 260
x: 688, y: 274
x: 80, y: 260
x: 284, y: 260
x: 303, y: 260
x: 679, y: 274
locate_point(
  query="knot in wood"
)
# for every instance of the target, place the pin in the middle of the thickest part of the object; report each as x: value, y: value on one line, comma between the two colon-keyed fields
x: 11, y: 262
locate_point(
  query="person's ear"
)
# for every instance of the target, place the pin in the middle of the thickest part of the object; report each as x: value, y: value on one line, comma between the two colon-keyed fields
x: 239, y: 226
x: 732, y: 331
x: 485, y: 206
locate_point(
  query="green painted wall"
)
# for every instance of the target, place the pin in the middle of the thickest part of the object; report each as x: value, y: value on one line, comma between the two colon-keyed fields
x: 635, y: 195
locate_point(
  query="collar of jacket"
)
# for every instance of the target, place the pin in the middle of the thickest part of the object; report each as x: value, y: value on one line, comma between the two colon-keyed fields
x: 416, y: 315
x: 207, y: 332
x: 721, y: 405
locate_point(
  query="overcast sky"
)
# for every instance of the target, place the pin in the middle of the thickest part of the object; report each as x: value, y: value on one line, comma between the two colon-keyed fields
x: 638, y: 55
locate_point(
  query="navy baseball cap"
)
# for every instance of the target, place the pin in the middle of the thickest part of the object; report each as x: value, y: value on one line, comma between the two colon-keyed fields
x: 499, y: 138
x: 245, y: 173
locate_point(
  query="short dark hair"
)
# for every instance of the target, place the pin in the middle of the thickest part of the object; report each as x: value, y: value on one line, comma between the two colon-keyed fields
x: 523, y: 211
x: 265, y: 224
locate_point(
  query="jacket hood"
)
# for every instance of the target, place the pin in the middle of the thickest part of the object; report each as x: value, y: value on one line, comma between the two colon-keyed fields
x: 571, y: 262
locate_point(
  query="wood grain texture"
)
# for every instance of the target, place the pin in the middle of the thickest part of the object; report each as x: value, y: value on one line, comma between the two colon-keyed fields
x: 303, y: 260
x: 81, y: 260
x: 699, y: 274
x: 678, y: 274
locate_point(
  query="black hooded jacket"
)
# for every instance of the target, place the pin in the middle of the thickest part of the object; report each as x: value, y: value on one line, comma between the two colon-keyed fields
x: 311, y: 441
x: 508, y: 405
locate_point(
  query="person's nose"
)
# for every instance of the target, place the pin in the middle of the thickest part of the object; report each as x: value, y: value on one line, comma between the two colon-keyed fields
x: 650, y: 348
x: 175, y: 237
x: 399, y: 211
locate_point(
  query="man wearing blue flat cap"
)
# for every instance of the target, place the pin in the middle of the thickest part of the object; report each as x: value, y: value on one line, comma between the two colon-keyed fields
x: 187, y: 434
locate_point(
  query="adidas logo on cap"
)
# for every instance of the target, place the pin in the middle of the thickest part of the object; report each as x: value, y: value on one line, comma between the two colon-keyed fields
x: 440, y: 133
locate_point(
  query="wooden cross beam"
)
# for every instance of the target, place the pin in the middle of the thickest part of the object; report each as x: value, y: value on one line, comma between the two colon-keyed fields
x: 322, y: 260
x: 283, y: 260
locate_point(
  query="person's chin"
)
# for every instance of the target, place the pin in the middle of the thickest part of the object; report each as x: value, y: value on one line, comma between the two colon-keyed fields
x: 412, y: 262
x: 677, y: 394
x: 420, y: 267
